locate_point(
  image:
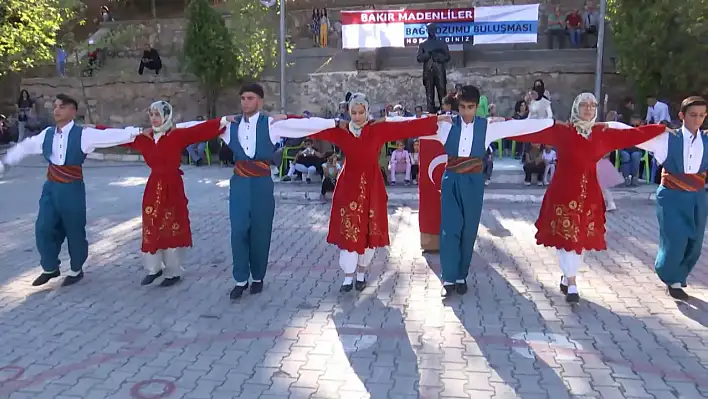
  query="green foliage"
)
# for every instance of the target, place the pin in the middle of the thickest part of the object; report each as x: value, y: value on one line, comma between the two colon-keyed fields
x: 662, y: 44
x: 29, y: 30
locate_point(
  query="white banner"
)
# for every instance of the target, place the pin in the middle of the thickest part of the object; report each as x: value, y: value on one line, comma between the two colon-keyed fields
x: 506, y: 24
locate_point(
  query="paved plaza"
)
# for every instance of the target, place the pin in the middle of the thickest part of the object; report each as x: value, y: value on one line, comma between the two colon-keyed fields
x: 511, y: 336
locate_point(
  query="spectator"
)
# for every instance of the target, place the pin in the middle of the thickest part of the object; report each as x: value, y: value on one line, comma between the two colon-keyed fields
x: 574, y: 25
x: 458, y: 89
x: 556, y: 28
x: 538, y: 83
x: 415, y: 161
x: 539, y: 105
x: 92, y: 57
x: 197, y: 151
x: 488, y: 165
x: 483, y: 107
x: 400, y: 163
x: 324, y: 28
x: 306, y: 162
x: 315, y: 26
x: 226, y: 156
x: 591, y: 20
x: 549, y: 161
x: 330, y: 171
x: 534, y: 164
x: 61, y: 61
x: 151, y: 60
x: 492, y: 110
x: 449, y: 105
x: 418, y: 111
x: 24, y: 105
x: 521, y: 110
x: 626, y: 110
x: 4, y: 130
x: 106, y: 14
x: 657, y: 111
x: 344, y: 111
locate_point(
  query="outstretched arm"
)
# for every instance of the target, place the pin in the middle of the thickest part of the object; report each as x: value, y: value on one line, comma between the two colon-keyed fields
x: 547, y: 136
x: 25, y: 148
x: 189, y: 133
x: 299, y: 127
x: 101, y: 137
x: 613, y: 138
x: 659, y: 145
x: 405, y: 128
x: 519, y: 128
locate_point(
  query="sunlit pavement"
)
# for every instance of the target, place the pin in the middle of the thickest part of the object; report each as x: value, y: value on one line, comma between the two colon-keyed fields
x: 511, y: 336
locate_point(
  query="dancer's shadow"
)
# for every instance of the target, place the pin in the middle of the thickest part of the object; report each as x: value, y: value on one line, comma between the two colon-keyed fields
x: 377, y: 346
x: 695, y: 309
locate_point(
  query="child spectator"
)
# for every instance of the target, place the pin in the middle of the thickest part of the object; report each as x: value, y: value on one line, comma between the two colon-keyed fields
x: 415, y: 161
x: 330, y: 171
x: 400, y: 163
x: 549, y: 159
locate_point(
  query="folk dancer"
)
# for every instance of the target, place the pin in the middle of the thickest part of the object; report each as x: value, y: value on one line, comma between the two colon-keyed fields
x: 359, y: 218
x: 62, y: 206
x: 166, y: 230
x: 466, y: 140
x: 572, y: 216
x: 680, y: 199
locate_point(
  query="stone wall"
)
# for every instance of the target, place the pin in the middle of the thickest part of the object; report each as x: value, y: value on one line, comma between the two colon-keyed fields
x: 124, y: 101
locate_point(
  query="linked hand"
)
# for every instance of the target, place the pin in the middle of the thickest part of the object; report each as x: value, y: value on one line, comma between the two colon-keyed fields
x: 374, y: 122
x: 231, y: 118
x: 561, y: 123
x: 445, y: 118
x: 495, y: 119
x: 278, y: 118
x: 147, y: 132
x: 343, y: 125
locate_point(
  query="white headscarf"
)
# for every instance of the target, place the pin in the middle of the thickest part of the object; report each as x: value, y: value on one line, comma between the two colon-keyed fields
x: 165, y: 110
x: 357, y: 99
x: 584, y: 128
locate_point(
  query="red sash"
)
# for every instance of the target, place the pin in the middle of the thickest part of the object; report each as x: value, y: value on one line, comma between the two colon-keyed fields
x: 683, y: 181
x: 465, y: 164
x: 64, y: 173
x: 252, y: 168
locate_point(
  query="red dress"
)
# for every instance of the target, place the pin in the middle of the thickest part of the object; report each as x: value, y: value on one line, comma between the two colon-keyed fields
x: 165, y: 213
x: 359, y: 216
x: 572, y: 215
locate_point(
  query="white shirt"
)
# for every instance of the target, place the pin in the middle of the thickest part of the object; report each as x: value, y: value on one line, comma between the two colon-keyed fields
x: 549, y: 157
x: 659, y: 146
x: 495, y: 131
x: 540, y: 109
x: 91, y: 139
x: 658, y: 113
x: 290, y: 128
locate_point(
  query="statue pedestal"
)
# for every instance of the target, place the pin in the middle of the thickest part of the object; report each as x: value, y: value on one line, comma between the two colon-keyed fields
x: 430, y: 242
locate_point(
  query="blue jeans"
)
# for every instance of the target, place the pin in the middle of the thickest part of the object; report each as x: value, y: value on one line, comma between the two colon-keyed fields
x: 61, y: 68
x: 488, y: 166
x: 629, y: 163
x: 196, y: 151
x: 574, y: 35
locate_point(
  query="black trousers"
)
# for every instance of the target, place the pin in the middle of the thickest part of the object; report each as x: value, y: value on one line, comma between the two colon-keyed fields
x: 155, y: 66
x: 414, y: 172
x: 434, y: 82
x: 328, y: 185
x: 533, y: 168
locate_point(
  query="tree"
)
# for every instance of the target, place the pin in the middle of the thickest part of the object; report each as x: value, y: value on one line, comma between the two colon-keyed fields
x: 28, y: 31
x: 662, y: 45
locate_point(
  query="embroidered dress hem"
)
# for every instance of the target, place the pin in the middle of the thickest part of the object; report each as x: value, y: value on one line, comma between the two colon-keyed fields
x: 559, y: 243
x: 153, y: 249
x: 358, y: 248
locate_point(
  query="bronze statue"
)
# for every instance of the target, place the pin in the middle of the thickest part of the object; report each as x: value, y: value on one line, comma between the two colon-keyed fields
x: 434, y: 53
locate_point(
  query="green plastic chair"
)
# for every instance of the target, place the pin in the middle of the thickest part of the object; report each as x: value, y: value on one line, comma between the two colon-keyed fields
x: 286, y: 158
x: 645, y: 159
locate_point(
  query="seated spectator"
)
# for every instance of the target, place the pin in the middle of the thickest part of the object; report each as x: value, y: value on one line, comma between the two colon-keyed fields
x: 330, y: 171
x: 591, y: 20
x: 533, y: 164
x: 488, y: 165
x: 288, y: 147
x: 626, y: 110
x: 574, y: 25
x: 556, y: 28
x: 226, y: 156
x: 106, y: 14
x: 657, y: 111
x: 449, y: 105
x: 400, y: 163
x: 151, y: 60
x: 306, y: 162
x: 549, y: 161
x: 197, y: 151
x: 415, y: 161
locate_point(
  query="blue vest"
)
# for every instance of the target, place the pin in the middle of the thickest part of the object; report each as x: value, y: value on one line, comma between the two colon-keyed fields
x: 74, y: 154
x: 479, y: 138
x: 674, y: 158
x: 264, y: 146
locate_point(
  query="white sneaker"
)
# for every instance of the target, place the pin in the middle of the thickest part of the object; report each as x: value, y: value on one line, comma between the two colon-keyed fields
x: 527, y: 183
x: 611, y: 206
x: 486, y: 182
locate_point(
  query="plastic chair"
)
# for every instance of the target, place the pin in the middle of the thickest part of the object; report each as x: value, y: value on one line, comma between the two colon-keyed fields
x: 286, y: 158
x: 648, y: 174
x: 207, y: 154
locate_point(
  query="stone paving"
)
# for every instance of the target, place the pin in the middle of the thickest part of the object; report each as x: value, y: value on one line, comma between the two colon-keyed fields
x: 511, y: 336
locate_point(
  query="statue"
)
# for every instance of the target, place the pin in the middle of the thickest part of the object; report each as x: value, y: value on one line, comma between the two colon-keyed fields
x: 433, y: 53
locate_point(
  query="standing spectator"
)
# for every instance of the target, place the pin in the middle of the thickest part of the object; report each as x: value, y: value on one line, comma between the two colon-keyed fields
x: 657, y: 111
x: 330, y: 171
x: 488, y: 165
x: 483, y: 107
x: 400, y: 163
x: 591, y: 20
x: 538, y: 84
x: 549, y: 160
x: 4, y: 131
x: 534, y: 165
x: 106, y: 14
x: 574, y: 25
x: 449, y: 105
x: 415, y: 161
x: 625, y: 111
x: 539, y: 105
x: 61, y: 62
x: 197, y: 151
x: 324, y: 28
x: 343, y: 111
x: 458, y: 89
x: 24, y: 106
x: 151, y: 60
x: 492, y: 110
x: 315, y: 26
x: 556, y: 28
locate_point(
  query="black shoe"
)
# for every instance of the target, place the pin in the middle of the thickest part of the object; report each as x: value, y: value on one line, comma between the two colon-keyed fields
x: 461, y: 288
x: 678, y: 293
x: 447, y: 290
x: 71, y: 280
x: 286, y: 178
x: 256, y: 287
x: 169, y: 282
x: 572, y: 298
x: 563, y: 287
x: 346, y: 287
x: 308, y: 180
x: 45, y: 277
x: 147, y: 280
x: 238, y: 290
x: 359, y: 285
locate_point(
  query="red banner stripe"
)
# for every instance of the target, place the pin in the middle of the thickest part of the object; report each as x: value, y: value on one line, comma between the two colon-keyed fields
x: 407, y: 16
x: 431, y: 152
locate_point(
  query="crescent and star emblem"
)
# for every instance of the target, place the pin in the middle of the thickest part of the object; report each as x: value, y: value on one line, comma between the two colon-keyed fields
x: 437, y: 161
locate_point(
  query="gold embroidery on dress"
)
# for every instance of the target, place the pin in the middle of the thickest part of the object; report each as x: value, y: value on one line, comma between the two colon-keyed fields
x: 352, y: 216
x: 570, y: 217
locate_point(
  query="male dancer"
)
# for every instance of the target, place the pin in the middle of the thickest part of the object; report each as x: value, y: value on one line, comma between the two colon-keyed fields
x: 62, y: 206
x: 681, y: 198
x: 466, y: 141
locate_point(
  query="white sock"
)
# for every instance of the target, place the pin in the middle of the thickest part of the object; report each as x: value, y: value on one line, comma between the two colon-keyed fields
x: 241, y: 283
x: 257, y: 281
x: 564, y: 281
x: 676, y: 285
x: 462, y: 281
x: 348, y: 280
x: 448, y: 283
x: 572, y: 289
x: 360, y: 276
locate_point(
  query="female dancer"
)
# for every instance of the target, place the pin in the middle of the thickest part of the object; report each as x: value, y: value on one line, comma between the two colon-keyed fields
x: 572, y: 216
x: 166, y: 228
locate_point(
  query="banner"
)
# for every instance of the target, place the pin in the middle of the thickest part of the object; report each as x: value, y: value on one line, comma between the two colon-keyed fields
x: 506, y: 24
x: 403, y: 28
x: 432, y: 165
